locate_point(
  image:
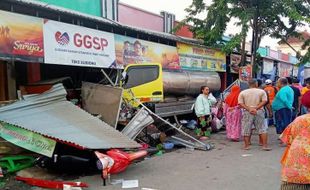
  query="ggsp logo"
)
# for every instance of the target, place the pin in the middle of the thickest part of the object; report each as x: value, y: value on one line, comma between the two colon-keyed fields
x: 89, y: 42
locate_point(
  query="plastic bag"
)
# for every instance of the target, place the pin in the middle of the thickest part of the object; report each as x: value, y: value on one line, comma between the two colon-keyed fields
x: 191, y: 124
x: 216, y: 124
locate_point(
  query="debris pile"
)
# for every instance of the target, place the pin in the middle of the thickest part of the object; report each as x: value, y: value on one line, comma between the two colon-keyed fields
x: 48, y: 131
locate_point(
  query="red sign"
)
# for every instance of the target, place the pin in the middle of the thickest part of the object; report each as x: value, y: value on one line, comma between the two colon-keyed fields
x: 245, y: 73
x: 30, y: 48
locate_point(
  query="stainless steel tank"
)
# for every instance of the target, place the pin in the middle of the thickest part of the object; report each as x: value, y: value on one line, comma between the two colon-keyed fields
x: 189, y: 82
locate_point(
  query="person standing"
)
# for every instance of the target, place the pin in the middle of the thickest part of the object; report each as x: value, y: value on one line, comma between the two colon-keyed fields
x: 303, y: 91
x: 267, y: 109
x: 296, y: 102
x: 270, y: 90
x: 307, y: 87
x: 283, y: 105
x: 252, y: 101
x: 267, y: 106
x: 296, y: 83
x: 232, y: 113
x: 271, y: 93
x: 203, y: 111
x: 295, y: 174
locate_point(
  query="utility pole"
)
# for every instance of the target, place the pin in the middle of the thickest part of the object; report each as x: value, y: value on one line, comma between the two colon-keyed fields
x: 243, y: 56
x: 254, y: 36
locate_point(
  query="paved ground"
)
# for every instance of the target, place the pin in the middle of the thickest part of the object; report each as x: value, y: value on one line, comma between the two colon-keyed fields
x: 227, y: 167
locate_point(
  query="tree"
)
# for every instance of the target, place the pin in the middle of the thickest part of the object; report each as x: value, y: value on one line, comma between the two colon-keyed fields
x: 277, y: 18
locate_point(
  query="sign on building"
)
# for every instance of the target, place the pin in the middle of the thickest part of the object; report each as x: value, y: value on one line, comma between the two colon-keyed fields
x: 67, y: 44
x: 202, y: 59
x: 134, y: 51
x: 235, y: 62
x: 21, y: 37
x: 284, y: 69
x: 268, y: 67
x: 245, y: 73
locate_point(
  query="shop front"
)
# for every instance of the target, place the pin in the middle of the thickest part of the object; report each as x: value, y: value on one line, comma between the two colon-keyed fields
x: 21, y: 42
x: 34, y: 49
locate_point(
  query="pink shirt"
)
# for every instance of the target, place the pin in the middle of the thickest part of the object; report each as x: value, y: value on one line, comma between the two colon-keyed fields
x: 298, y: 86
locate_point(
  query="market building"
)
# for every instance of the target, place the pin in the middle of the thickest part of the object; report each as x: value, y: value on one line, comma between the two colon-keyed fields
x: 44, y: 19
x: 277, y: 64
x: 296, y: 43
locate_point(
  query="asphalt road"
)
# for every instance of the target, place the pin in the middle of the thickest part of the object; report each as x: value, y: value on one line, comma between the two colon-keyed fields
x: 227, y: 167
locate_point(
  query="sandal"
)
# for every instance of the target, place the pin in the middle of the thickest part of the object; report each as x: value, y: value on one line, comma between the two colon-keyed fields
x: 204, y: 138
x: 266, y: 149
x: 247, y: 148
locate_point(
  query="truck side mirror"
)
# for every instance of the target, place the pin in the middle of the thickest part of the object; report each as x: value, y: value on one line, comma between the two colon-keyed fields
x: 124, y: 78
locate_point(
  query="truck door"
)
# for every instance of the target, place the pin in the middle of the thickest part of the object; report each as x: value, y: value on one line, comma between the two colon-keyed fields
x: 145, y: 82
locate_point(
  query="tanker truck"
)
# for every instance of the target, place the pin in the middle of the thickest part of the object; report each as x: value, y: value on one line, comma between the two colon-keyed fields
x: 167, y: 93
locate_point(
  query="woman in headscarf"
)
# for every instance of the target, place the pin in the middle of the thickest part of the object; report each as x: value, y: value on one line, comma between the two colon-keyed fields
x: 203, y: 105
x: 232, y: 113
x: 296, y: 158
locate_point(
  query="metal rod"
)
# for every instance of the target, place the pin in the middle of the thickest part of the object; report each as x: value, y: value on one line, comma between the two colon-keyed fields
x: 183, y: 142
x: 105, y: 74
x: 117, y: 76
x: 177, y: 121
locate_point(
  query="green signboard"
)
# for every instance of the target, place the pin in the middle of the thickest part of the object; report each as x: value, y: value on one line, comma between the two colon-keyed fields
x: 91, y: 7
x: 27, y: 139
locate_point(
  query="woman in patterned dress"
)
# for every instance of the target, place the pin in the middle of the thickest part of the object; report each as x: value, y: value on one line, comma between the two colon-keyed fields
x: 296, y: 158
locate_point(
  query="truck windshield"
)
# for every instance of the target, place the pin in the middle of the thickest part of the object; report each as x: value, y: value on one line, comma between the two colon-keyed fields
x: 138, y: 75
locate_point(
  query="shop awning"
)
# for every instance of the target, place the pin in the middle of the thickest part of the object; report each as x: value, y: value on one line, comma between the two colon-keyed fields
x: 51, y: 115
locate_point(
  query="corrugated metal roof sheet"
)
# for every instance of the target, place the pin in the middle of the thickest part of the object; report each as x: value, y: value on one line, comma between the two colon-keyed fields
x: 51, y: 115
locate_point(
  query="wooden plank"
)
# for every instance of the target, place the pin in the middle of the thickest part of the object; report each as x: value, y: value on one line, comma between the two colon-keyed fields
x: 11, y: 81
x: 3, y: 89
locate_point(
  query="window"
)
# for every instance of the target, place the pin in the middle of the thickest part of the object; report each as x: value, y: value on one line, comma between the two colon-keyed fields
x: 141, y: 75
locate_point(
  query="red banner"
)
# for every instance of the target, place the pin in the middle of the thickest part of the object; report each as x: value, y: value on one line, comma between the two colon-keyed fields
x: 245, y: 73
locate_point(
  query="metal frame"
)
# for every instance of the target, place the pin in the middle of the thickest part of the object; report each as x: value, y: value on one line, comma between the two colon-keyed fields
x: 227, y: 90
x: 107, y: 76
x: 198, y: 145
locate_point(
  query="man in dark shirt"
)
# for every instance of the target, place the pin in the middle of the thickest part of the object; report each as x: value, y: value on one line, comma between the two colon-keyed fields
x: 297, y: 95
